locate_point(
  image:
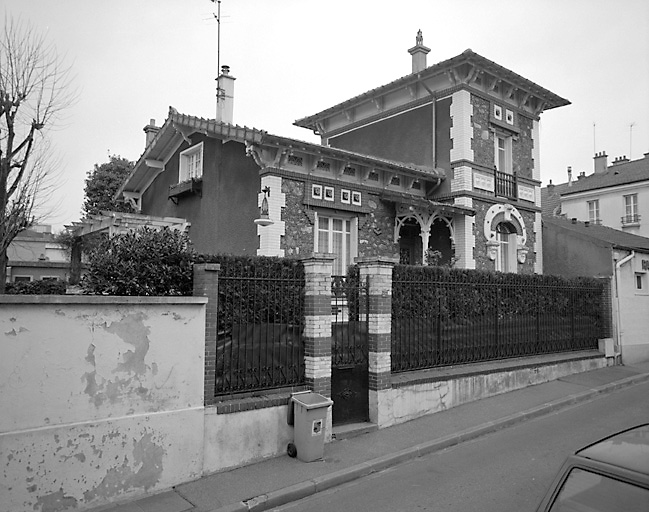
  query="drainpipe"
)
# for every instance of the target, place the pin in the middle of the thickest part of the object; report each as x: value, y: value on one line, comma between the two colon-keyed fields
x: 618, y: 265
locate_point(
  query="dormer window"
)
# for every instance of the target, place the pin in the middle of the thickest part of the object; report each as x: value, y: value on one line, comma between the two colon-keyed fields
x: 191, y: 163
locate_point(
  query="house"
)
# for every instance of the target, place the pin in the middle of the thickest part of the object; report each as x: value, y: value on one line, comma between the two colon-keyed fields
x: 615, y: 195
x: 444, y: 159
x: 36, y: 255
x: 574, y: 248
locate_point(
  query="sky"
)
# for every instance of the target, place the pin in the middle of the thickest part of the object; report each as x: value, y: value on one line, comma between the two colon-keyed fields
x: 132, y: 59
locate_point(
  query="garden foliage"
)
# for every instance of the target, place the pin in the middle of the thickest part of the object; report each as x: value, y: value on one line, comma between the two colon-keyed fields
x: 462, y: 295
x: 143, y: 262
x: 258, y: 290
x: 47, y: 287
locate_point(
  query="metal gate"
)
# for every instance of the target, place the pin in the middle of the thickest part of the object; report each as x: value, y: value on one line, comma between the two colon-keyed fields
x: 349, y: 350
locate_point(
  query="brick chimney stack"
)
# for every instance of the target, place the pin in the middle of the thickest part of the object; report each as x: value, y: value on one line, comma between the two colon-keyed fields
x: 150, y: 130
x: 225, y: 96
x: 601, y: 162
x: 419, y: 52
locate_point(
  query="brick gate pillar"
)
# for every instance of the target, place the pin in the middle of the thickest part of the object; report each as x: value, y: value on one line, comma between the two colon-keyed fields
x: 206, y: 284
x: 379, y: 271
x: 317, y: 322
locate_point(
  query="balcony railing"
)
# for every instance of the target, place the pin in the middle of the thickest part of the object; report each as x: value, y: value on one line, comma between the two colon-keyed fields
x: 631, y: 219
x: 506, y: 185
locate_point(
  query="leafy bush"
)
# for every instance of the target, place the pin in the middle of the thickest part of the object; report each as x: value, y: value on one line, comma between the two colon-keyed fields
x: 142, y: 262
x: 48, y: 287
x: 462, y: 295
x: 258, y: 290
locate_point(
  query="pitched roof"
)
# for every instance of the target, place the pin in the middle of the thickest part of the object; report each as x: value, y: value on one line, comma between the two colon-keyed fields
x: 551, y: 199
x: 617, y: 174
x: 616, y: 238
x: 182, y: 125
x: 551, y: 99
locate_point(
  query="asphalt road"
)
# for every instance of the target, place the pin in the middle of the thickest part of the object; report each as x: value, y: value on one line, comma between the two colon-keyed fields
x: 509, y: 470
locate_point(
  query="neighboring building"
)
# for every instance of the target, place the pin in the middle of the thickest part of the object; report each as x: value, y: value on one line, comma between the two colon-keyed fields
x: 615, y: 195
x: 35, y: 255
x: 574, y: 248
x: 443, y: 159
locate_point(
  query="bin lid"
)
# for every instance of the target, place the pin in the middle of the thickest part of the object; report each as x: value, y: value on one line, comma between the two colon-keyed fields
x: 312, y: 400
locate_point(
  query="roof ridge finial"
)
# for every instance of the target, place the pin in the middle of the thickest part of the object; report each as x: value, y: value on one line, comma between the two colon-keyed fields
x: 420, y: 38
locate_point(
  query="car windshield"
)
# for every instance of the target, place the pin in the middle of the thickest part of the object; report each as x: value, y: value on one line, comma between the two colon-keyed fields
x: 584, y: 491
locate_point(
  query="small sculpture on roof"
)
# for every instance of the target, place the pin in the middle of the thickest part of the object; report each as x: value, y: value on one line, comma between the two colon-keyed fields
x: 420, y: 38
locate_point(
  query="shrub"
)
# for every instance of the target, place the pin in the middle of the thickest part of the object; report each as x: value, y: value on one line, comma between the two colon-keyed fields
x: 48, y: 287
x: 141, y: 262
x: 258, y: 289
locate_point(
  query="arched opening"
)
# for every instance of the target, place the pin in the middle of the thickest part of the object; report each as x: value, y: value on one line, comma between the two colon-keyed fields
x: 440, y: 240
x: 410, y: 242
x: 506, y: 238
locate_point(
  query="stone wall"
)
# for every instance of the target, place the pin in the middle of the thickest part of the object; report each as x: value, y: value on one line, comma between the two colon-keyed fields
x: 375, y: 228
x: 522, y: 145
x: 482, y: 261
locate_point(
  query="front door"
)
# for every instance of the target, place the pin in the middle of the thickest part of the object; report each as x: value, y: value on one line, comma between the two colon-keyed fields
x: 349, y: 351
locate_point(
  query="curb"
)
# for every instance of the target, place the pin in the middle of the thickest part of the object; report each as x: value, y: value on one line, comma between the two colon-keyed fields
x: 322, y: 483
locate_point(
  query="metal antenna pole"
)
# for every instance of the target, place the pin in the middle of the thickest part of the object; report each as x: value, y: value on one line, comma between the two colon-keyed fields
x: 631, y: 140
x: 218, y: 51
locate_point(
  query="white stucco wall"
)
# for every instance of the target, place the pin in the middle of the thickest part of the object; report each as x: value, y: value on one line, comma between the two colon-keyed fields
x: 236, y: 439
x: 103, y: 398
x: 611, y: 206
x: 631, y: 306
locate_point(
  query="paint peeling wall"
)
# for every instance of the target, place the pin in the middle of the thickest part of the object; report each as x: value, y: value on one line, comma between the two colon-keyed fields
x: 236, y: 439
x: 412, y: 401
x: 102, y: 398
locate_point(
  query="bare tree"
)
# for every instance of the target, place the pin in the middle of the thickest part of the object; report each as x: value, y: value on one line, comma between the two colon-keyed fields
x: 34, y: 89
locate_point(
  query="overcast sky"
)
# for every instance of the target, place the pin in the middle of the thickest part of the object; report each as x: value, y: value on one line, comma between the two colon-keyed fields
x: 132, y: 59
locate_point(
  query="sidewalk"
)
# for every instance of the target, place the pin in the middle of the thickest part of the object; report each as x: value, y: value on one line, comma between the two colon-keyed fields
x: 280, y: 480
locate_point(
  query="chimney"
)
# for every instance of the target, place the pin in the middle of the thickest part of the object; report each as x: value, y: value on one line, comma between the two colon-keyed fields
x: 581, y: 176
x: 225, y: 96
x: 569, y: 176
x: 419, y: 52
x: 601, y: 162
x: 620, y: 160
x: 150, y: 130
x: 550, y: 187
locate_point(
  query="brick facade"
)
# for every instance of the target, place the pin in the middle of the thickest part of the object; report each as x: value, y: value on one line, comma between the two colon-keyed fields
x: 206, y: 284
x: 317, y: 322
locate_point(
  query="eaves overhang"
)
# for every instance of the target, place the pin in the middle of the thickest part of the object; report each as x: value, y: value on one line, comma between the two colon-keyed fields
x: 352, y: 157
x: 421, y: 202
x: 176, y: 128
x: 477, y: 64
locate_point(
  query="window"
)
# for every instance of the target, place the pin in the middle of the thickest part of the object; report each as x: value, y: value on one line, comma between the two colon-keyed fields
x: 191, y: 163
x: 593, y: 211
x: 585, y: 490
x: 506, y: 257
x: 337, y: 236
x: 631, y: 209
x: 22, y: 279
x: 639, y: 281
x: 503, y: 153
x: 49, y: 278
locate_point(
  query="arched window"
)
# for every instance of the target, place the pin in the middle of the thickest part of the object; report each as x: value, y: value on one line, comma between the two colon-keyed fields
x: 506, y: 257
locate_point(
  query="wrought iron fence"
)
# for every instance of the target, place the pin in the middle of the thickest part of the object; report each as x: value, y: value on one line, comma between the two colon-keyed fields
x: 349, y: 321
x: 441, y: 322
x: 260, y: 324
